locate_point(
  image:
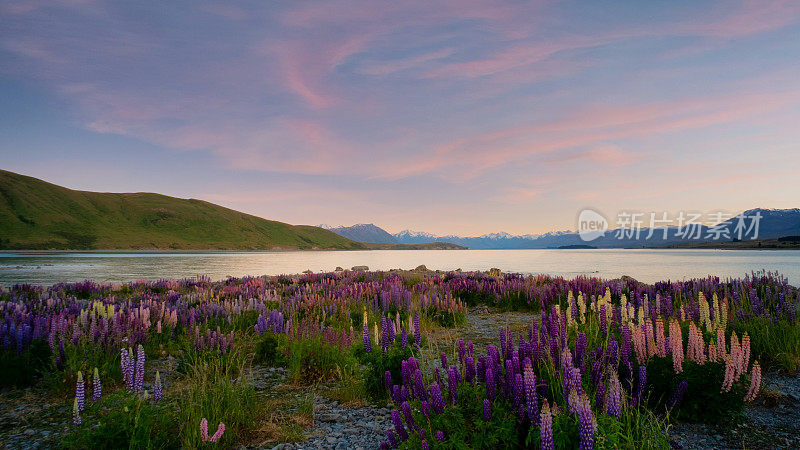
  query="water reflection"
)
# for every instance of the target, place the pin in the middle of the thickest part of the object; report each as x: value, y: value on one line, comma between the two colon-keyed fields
x: 644, y: 265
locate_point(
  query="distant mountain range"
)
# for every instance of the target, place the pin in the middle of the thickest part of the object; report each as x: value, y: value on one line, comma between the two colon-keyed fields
x: 774, y: 223
x: 365, y: 232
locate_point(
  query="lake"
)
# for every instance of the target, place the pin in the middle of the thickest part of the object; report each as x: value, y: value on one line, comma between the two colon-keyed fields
x: 45, y: 268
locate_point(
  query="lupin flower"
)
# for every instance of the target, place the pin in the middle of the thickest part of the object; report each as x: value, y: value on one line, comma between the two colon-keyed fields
x: 661, y: 341
x: 614, y: 396
x: 391, y: 439
x: 546, y: 427
x: 396, y: 397
x: 398, y: 425
x: 530, y: 392
x: 204, y: 431
x: 676, y: 344
x: 755, y: 383
x: 426, y: 410
x: 139, y: 373
x: 519, y: 395
x: 443, y: 360
x: 419, y: 386
x: 76, y: 414
x: 642, y: 382
x: 581, y: 345
x: 470, y: 369
x: 487, y: 410
x: 79, y: 392
x: 158, y: 390
x: 367, y: 345
x: 97, y: 388
x: 437, y: 399
x: 384, y: 334
x: 600, y: 394
x: 587, y: 424
x: 745, y: 350
x: 452, y: 384
x: 490, y: 383
x: 387, y: 380
x: 677, y: 396
x: 403, y: 338
x: 406, y: 408
x: 440, y: 435
x: 730, y: 372
x: 417, y: 333
x: 462, y: 350
x: 424, y: 445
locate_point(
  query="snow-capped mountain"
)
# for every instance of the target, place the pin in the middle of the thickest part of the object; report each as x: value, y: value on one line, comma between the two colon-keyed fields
x: 774, y: 223
x: 364, y: 232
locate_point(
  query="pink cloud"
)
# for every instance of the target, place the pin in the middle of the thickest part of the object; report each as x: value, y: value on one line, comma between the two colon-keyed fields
x: 594, y: 126
x: 753, y: 16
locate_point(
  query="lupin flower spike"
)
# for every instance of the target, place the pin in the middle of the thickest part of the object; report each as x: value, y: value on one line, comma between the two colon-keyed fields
x: 79, y: 392
x: 97, y: 388
x: 76, y: 414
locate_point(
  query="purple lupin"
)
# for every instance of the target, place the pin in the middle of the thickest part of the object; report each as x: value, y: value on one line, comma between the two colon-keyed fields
x: 367, y: 345
x: 139, y: 373
x: 97, y: 388
x: 158, y: 390
x: 79, y: 392
x: 546, y: 428
x: 398, y: 425
x: 417, y: 333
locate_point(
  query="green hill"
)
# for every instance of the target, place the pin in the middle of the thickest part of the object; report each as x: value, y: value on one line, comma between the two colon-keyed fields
x: 38, y: 215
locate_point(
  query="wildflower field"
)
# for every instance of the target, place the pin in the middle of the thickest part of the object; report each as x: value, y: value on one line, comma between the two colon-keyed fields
x: 596, y: 364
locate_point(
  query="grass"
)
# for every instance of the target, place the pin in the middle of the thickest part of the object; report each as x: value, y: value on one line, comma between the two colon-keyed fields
x: 38, y: 215
x: 775, y: 345
x: 259, y: 409
x: 286, y: 419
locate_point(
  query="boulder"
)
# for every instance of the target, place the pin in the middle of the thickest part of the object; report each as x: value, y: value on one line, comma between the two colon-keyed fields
x: 495, y: 272
x: 360, y: 268
x: 421, y: 268
x: 338, y: 269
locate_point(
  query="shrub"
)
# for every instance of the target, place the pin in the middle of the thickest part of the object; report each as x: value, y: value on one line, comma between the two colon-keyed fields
x: 269, y: 349
x: 311, y: 360
x: 23, y: 369
x: 463, y: 423
x: 378, y: 363
x: 703, y: 400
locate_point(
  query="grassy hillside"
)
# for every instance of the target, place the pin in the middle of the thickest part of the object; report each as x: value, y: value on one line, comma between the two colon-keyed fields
x: 38, y: 215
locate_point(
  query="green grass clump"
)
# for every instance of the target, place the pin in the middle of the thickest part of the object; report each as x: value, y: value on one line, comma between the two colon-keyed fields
x: 773, y: 344
x: 210, y: 392
x: 312, y: 361
x: 124, y: 420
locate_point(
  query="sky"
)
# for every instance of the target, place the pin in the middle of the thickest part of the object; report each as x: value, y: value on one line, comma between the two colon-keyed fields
x: 451, y: 117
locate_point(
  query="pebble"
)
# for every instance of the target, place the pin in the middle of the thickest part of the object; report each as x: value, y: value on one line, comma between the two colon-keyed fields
x: 341, y: 427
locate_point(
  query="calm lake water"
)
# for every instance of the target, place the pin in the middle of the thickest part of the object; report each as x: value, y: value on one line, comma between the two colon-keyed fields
x: 46, y: 268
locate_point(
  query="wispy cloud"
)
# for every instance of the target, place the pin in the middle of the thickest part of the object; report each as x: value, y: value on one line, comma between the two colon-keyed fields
x: 393, y: 94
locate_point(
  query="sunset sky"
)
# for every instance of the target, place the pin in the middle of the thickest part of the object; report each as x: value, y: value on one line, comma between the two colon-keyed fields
x: 455, y: 117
